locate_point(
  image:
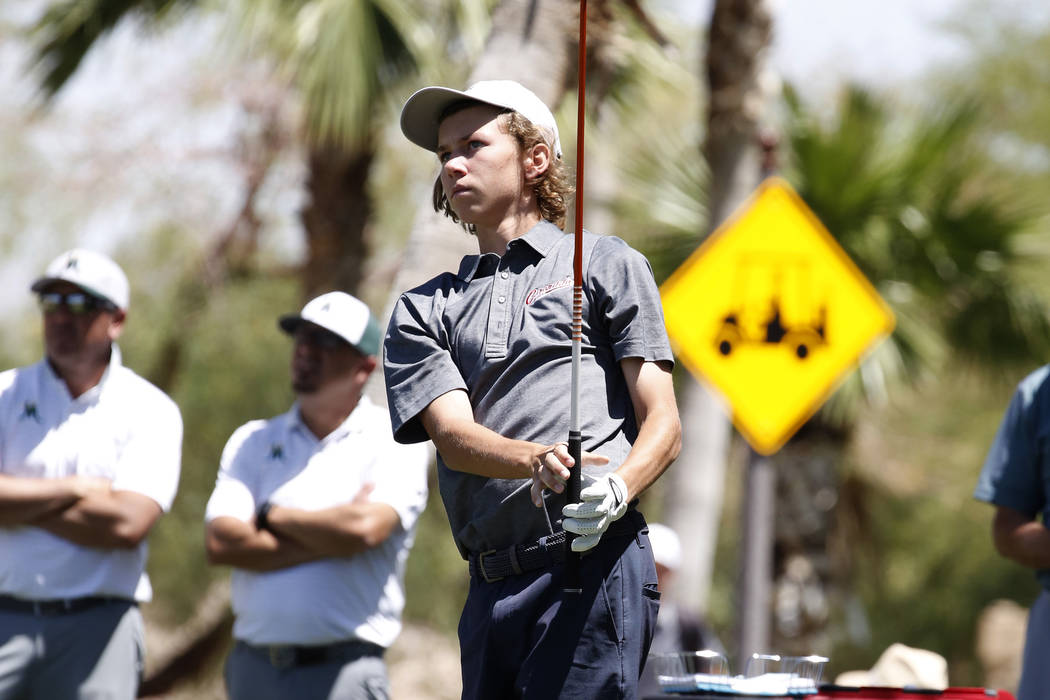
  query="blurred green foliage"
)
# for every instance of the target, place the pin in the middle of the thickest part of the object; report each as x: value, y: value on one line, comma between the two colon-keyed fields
x: 927, y: 567
x: 233, y: 368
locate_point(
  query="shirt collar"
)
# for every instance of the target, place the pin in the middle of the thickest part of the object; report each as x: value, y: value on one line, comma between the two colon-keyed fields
x: 541, y: 238
x: 354, y: 423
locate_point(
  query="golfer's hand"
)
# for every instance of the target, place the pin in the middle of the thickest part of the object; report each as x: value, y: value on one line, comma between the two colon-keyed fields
x: 550, y: 469
x: 602, y: 502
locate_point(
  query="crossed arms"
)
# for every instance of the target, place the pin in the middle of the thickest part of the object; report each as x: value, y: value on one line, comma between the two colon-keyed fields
x: 84, y: 510
x: 297, y: 536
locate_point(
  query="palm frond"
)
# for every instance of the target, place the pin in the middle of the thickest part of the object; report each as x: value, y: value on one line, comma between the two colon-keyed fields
x: 67, y: 31
x: 907, y: 201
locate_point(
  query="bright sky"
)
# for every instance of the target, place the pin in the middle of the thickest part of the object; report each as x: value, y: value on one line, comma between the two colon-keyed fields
x: 819, y: 43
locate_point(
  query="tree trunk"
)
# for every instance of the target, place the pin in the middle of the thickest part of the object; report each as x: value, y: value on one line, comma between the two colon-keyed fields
x: 694, y: 490
x: 335, y: 218
x: 819, y: 522
x: 740, y: 32
x: 739, y: 36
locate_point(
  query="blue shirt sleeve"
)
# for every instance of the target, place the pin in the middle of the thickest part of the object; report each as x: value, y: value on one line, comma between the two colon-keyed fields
x: 1013, y: 473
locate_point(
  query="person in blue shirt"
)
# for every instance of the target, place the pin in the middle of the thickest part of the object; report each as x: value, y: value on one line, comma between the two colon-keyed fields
x: 1016, y: 480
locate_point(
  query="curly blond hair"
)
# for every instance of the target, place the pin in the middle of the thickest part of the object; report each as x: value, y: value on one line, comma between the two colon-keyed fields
x: 552, y: 189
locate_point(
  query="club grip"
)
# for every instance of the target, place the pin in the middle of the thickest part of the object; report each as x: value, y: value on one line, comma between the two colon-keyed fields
x: 572, y: 495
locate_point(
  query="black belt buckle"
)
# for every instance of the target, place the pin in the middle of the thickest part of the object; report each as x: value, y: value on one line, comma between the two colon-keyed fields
x: 481, y: 566
x: 282, y: 656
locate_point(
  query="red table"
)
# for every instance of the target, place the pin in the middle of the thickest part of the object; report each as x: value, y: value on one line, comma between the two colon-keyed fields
x: 834, y: 692
x: 843, y: 693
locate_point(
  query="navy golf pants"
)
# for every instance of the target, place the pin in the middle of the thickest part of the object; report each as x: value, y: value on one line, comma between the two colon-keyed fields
x: 523, y: 637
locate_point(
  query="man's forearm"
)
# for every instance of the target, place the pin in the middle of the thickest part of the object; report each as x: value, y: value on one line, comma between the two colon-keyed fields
x: 340, y: 531
x: 237, y: 543
x: 1021, y: 539
x: 111, y: 520
x: 23, y: 500
x: 470, y: 447
x: 658, y: 443
x: 659, y: 427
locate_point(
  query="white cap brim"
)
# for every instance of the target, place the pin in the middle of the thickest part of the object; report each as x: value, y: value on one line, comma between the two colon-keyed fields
x: 422, y: 113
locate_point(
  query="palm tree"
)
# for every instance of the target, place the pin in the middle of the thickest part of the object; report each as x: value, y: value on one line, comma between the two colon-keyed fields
x: 342, y: 58
x: 911, y: 205
x: 738, y: 80
x: 677, y: 189
x: 910, y: 201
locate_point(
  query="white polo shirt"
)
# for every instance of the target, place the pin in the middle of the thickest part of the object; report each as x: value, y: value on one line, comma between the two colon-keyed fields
x: 334, y: 599
x: 124, y: 429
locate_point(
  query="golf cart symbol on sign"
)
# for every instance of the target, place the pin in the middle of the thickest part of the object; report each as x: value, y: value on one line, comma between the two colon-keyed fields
x: 774, y: 305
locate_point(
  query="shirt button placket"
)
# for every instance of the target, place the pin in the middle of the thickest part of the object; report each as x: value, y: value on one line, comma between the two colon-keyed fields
x: 496, y: 343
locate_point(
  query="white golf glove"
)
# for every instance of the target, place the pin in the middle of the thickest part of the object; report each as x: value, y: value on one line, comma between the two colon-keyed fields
x: 602, y: 502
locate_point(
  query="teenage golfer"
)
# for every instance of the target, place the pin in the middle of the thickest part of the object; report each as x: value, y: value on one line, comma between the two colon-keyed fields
x: 479, y: 362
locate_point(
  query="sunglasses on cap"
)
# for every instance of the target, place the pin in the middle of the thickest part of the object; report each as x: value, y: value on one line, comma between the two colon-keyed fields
x: 318, y: 338
x: 77, y: 303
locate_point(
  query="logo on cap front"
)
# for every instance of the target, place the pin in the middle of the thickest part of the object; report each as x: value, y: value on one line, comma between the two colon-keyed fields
x: 72, y: 263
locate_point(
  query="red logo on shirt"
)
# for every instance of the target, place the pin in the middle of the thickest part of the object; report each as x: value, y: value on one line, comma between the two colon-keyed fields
x: 547, y: 289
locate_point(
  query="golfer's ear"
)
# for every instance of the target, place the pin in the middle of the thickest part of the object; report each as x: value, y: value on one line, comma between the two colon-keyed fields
x: 537, y: 160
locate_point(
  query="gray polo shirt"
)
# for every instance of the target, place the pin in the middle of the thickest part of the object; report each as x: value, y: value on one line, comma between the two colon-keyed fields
x: 499, y: 328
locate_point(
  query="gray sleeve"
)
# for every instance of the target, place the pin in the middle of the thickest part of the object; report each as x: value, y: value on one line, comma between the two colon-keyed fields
x: 621, y: 286
x: 417, y: 365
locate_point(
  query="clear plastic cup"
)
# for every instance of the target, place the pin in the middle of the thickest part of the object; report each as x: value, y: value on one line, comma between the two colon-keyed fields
x: 761, y: 664
x: 687, y: 671
x: 809, y: 667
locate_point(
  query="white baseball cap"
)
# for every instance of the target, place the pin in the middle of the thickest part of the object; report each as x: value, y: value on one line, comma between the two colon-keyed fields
x: 346, y: 316
x: 93, y: 272
x: 667, y: 549
x: 421, y: 115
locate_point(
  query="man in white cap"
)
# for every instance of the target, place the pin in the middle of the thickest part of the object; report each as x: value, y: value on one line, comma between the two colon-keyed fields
x: 316, y: 511
x: 89, y: 459
x: 479, y: 362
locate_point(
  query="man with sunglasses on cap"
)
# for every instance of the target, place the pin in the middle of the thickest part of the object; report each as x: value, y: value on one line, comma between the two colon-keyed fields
x: 89, y: 459
x: 478, y: 360
x: 316, y: 511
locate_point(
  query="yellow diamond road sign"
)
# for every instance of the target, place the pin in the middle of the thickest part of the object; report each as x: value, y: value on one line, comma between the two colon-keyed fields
x: 773, y: 313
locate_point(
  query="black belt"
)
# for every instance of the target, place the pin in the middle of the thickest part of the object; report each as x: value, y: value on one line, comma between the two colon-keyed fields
x: 494, y: 565
x: 60, y: 606
x: 290, y: 655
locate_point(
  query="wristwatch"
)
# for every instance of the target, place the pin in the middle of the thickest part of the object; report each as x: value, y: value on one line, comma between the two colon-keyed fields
x: 262, y: 519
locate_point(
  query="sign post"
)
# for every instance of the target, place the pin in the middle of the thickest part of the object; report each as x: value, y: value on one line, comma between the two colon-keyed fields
x: 772, y: 314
